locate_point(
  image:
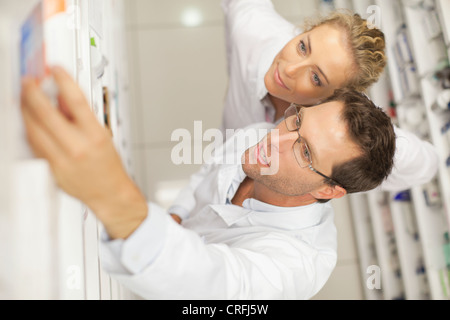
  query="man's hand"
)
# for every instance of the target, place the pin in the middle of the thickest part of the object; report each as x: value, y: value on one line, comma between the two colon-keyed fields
x: 81, y: 154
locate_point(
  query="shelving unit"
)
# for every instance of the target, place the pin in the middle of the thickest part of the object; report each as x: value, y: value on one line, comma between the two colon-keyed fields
x: 54, y: 237
x: 416, y: 49
x: 386, y: 246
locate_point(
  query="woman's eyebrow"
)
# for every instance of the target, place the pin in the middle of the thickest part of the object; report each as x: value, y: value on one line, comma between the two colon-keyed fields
x: 310, y: 52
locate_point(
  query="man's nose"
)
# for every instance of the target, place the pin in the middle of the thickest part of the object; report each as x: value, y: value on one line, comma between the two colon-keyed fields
x: 283, y: 140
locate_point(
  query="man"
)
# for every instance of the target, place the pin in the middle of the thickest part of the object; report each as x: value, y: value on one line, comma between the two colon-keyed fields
x: 245, y: 234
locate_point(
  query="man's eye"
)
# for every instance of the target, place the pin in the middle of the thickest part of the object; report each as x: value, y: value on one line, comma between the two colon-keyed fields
x: 305, y: 153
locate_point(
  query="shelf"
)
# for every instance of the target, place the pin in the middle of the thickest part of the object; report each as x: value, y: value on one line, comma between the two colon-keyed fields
x: 51, y: 229
x: 365, y: 241
x: 431, y: 227
x: 443, y: 10
x: 432, y: 221
x: 409, y: 247
x: 386, y: 246
x: 427, y: 52
x: 391, y: 21
x: 436, y: 120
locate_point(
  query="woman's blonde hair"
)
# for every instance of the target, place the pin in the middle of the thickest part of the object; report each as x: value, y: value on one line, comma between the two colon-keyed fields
x: 366, y: 42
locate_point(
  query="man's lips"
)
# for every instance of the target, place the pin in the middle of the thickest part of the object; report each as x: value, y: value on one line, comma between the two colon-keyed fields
x: 259, y: 150
x: 278, y: 79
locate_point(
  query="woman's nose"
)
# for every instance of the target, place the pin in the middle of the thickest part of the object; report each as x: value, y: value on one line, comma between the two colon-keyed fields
x: 292, y: 70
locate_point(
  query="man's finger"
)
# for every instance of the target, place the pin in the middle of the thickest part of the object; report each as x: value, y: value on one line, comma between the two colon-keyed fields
x: 41, y: 141
x: 72, y: 99
x: 40, y: 110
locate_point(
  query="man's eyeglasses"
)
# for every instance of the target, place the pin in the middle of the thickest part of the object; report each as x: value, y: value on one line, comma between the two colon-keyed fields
x: 293, y: 121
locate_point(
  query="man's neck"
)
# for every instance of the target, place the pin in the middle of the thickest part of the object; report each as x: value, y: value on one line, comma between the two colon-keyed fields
x: 251, y: 189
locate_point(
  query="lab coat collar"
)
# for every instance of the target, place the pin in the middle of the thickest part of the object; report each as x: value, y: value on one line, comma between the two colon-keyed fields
x: 260, y: 212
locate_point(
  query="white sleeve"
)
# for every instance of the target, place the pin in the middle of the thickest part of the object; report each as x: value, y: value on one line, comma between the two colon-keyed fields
x: 248, y: 23
x: 415, y: 162
x: 140, y: 249
x: 180, y: 265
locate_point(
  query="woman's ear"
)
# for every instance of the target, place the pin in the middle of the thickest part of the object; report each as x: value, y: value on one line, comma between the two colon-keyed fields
x: 329, y: 192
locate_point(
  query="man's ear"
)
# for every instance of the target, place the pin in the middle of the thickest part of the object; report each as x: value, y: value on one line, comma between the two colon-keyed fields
x: 329, y: 192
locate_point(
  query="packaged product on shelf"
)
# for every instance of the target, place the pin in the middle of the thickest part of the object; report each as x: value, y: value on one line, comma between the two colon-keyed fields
x: 442, y: 101
x: 403, y: 48
x: 432, y: 194
x: 404, y: 197
x: 431, y: 24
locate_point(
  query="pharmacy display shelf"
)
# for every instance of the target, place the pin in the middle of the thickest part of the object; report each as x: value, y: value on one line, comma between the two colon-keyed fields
x: 386, y: 246
x: 73, y: 270
x: 431, y: 220
x: 443, y: 9
x: 413, y: 95
x: 431, y: 226
x: 427, y: 65
x: 391, y: 22
x: 365, y: 243
x: 437, y: 119
x: 429, y: 214
x: 427, y: 49
x: 409, y: 247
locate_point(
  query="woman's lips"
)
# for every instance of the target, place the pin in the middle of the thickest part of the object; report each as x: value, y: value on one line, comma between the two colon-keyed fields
x: 278, y: 79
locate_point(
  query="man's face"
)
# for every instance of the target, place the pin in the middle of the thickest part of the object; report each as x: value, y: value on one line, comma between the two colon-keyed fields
x: 326, y: 136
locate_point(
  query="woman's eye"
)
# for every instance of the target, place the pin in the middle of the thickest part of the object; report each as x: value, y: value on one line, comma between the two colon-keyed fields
x: 316, y: 80
x: 302, y: 47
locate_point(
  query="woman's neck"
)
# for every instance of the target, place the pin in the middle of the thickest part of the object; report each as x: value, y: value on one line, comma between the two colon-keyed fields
x: 279, y: 105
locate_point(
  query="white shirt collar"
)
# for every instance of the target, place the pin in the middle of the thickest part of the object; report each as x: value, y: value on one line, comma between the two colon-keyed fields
x: 283, y: 217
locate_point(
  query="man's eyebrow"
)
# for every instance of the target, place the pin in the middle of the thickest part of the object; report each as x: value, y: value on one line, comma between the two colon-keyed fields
x: 310, y: 52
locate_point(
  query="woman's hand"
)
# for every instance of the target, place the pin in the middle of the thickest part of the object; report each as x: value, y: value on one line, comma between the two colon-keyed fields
x: 81, y: 154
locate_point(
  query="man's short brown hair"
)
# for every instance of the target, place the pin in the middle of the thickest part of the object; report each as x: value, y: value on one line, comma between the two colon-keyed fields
x: 372, y: 131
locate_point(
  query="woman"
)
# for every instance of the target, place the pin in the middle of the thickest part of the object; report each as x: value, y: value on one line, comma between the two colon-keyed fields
x: 272, y: 64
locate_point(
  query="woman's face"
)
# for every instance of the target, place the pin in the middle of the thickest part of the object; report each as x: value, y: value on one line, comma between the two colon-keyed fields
x: 311, y: 66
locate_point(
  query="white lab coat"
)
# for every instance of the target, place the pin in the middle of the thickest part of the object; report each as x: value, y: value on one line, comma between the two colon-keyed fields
x: 255, y: 33
x: 224, y: 251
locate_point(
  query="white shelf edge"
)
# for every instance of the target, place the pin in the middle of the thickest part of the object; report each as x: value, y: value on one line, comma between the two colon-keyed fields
x: 392, y: 284
x: 365, y: 242
x: 409, y: 249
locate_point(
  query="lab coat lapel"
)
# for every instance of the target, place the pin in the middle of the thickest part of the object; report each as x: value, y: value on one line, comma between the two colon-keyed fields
x: 225, y: 177
x: 228, y: 212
